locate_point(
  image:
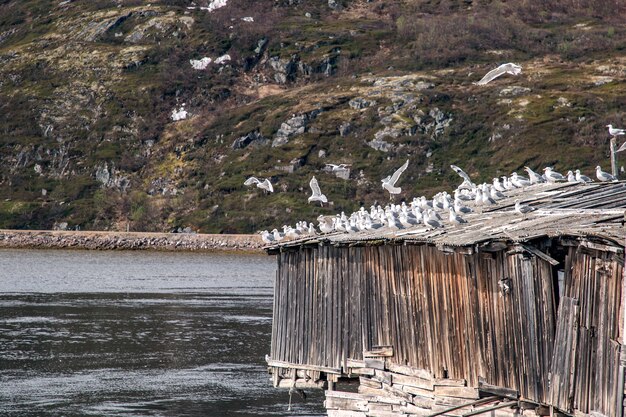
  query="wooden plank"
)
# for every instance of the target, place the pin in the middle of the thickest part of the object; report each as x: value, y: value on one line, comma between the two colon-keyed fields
x: 283, y: 364
x: 344, y: 413
x: 346, y: 404
x: 375, y: 364
x: 449, y: 382
x: 496, y: 390
x: 458, y: 392
x: 418, y: 391
x: 378, y: 351
x: 408, y: 370
x: 367, y: 382
x: 541, y: 255
x: 301, y: 383
x: 425, y: 384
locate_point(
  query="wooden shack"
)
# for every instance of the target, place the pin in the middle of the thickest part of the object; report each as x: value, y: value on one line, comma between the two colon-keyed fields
x: 505, y: 315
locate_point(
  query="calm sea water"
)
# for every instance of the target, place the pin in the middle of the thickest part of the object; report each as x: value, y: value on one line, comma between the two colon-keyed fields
x: 87, y: 333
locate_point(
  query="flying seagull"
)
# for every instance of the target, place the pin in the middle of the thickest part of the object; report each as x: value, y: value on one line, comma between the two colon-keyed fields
x: 604, y: 176
x: 509, y: 68
x: 389, y: 183
x: 265, y: 185
x: 462, y: 174
x: 317, y: 193
x: 334, y: 167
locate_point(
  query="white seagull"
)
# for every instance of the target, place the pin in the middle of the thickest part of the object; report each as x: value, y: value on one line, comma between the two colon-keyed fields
x: 509, y: 68
x: 582, y: 178
x: 553, y: 176
x: 390, y: 181
x: 317, y: 193
x: 534, y: 177
x: 613, y: 131
x: 604, y: 176
x: 335, y: 167
x: 462, y: 174
x: 265, y: 185
x: 522, y: 208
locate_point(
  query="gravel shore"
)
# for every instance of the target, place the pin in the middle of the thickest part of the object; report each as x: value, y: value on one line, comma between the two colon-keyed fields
x: 46, y: 239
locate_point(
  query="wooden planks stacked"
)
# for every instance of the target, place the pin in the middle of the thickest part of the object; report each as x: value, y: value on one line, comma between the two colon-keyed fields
x: 402, y: 391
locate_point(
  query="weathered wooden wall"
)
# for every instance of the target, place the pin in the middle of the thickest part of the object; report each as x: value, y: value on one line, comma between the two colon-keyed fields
x: 450, y: 314
x: 586, y: 357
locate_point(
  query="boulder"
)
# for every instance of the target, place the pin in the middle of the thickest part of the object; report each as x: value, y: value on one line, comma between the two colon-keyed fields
x: 253, y: 138
x: 359, y: 103
x: 294, y: 126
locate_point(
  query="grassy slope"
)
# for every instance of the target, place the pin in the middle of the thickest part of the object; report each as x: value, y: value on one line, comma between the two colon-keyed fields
x: 108, y: 100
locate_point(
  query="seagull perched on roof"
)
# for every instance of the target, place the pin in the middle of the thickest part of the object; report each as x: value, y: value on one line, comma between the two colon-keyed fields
x: 317, y: 193
x: 264, y: 185
x: 553, y: 176
x: 582, y: 178
x: 604, y: 176
x: 455, y: 218
x: 522, y: 208
x: 508, y: 68
x: 267, y: 237
x: 390, y: 181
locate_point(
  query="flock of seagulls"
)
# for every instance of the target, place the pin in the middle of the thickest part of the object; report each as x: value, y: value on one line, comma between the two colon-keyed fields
x: 440, y: 211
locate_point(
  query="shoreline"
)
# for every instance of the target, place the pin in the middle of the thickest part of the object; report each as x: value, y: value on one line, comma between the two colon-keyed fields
x: 105, y: 240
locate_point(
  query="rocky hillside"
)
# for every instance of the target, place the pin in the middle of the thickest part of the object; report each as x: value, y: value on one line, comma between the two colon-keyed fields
x: 119, y: 114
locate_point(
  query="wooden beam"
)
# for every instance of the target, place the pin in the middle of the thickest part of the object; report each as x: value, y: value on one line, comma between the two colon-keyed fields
x: 488, y: 409
x: 458, y: 407
x: 378, y: 351
x: 281, y: 364
x: 539, y: 254
x: 500, y: 391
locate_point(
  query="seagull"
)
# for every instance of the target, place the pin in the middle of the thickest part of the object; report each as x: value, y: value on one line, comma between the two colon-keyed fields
x: 317, y: 193
x: 571, y: 177
x: 462, y: 174
x: 604, y: 176
x: 509, y: 68
x: 582, y: 178
x: 326, y: 224
x: 431, y: 221
x: 265, y: 185
x: 390, y: 181
x: 534, y: 177
x: 455, y: 218
x: 497, y: 185
x: 267, y: 237
x: 553, y: 176
x: 522, y: 208
x: 335, y: 168
x: 519, y: 181
x: 613, y: 131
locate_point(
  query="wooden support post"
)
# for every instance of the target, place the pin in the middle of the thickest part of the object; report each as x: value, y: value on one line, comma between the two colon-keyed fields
x: 614, y: 170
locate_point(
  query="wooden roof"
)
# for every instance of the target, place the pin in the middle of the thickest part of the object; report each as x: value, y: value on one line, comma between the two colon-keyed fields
x: 575, y: 210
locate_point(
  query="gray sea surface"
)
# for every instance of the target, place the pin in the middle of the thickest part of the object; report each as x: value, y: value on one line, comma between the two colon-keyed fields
x: 90, y: 333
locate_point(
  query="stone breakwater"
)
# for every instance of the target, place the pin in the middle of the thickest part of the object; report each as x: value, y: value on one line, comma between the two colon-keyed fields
x: 128, y: 241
